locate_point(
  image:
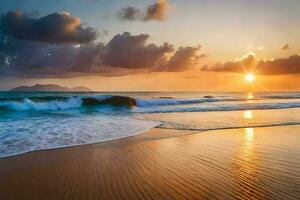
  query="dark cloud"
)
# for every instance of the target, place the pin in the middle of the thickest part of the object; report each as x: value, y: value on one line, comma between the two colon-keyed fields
x: 52, y: 28
x: 246, y: 63
x: 128, y: 51
x: 156, y: 11
x: 57, y: 45
x: 129, y: 13
x: 123, y: 54
x: 285, y: 47
x: 36, y: 59
x: 183, y: 59
x: 290, y: 65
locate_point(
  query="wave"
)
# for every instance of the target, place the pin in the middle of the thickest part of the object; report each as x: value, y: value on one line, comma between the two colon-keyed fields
x: 220, y: 107
x: 154, y: 105
x: 167, y: 102
x: 28, y: 104
x: 296, y: 96
x: 113, y: 101
x: 63, y: 103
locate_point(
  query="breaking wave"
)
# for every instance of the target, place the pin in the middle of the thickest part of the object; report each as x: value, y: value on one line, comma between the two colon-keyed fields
x: 28, y: 104
x: 139, y: 105
x: 63, y: 103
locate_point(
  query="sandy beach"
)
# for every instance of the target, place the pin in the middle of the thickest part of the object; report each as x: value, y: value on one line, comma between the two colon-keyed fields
x: 251, y: 163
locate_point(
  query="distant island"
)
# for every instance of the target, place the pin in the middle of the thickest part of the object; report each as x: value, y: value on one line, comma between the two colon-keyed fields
x: 49, y: 88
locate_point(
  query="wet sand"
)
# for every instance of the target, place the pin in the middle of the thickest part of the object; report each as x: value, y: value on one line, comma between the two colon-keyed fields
x: 252, y: 163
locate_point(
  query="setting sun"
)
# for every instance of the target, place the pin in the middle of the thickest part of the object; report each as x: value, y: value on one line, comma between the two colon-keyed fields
x: 250, y: 77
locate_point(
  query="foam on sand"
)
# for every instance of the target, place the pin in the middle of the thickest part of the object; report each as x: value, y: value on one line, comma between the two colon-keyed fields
x: 55, y: 131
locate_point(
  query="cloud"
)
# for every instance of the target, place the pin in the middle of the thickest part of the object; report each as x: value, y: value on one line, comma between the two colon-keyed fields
x: 183, y: 59
x: 243, y: 64
x: 290, y: 65
x: 129, y: 13
x: 285, y: 47
x: 260, y: 48
x: 128, y: 51
x: 123, y: 54
x: 52, y: 28
x: 57, y: 45
x: 156, y: 12
x: 36, y: 59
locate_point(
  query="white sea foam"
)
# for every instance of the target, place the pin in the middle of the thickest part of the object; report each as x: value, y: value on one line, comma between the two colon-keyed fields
x: 54, y: 131
x: 222, y: 120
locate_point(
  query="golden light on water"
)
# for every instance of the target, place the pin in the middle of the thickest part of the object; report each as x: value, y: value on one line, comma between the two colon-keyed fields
x: 249, y: 97
x: 250, y: 77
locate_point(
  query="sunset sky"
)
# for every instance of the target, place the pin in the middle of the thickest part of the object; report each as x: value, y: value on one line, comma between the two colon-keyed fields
x: 134, y: 45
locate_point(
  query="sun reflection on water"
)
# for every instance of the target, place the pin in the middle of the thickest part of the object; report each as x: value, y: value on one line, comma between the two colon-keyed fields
x: 249, y: 97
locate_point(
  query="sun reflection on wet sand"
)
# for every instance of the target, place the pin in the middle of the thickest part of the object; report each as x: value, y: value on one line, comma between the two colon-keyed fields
x: 249, y: 134
x: 248, y: 114
x: 246, y: 161
x: 247, y: 149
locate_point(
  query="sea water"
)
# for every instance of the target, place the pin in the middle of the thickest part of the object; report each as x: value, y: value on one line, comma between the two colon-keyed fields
x: 47, y: 120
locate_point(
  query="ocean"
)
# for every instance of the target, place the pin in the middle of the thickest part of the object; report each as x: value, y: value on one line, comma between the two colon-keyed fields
x: 49, y: 120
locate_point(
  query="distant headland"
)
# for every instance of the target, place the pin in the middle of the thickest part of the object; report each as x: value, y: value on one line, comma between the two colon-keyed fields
x: 49, y: 88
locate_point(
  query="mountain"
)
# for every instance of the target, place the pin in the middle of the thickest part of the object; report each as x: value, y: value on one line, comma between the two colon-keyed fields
x: 81, y: 89
x: 49, y: 88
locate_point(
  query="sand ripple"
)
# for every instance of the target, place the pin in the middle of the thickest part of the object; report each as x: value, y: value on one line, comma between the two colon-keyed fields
x: 260, y: 163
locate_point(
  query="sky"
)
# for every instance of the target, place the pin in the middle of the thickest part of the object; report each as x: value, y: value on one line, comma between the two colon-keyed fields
x: 130, y: 45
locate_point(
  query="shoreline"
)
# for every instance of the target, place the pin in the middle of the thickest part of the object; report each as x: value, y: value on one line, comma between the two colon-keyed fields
x: 144, y: 135
x: 233, y: 163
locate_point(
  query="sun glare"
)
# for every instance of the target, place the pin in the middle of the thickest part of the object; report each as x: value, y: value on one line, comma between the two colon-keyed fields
x: 250, y: 77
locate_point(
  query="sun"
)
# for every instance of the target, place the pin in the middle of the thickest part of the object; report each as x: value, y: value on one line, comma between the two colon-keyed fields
x: 250, y: 77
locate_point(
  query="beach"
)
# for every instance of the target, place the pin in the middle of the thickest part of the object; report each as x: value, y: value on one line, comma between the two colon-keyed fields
x: 245, y: 163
